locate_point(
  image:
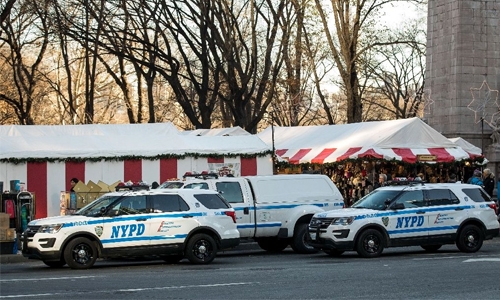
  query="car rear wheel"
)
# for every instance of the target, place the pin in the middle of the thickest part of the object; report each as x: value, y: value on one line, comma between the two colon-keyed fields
x: 272, y: 244
x: 431, y: 248
x: 299, y: 241
x: 201, y: 249
x: 80, y: 253
x: 370, y: 243
x: 470, y: 239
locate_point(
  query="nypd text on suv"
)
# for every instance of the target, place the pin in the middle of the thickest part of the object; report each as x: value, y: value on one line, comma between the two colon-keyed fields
x: 171, y: 224
x: 426, y: 215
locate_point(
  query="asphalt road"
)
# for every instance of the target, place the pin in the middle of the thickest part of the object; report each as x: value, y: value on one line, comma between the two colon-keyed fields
x: 400, y: 273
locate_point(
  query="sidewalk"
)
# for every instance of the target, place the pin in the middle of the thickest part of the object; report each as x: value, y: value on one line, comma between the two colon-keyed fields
x: 12, y: 258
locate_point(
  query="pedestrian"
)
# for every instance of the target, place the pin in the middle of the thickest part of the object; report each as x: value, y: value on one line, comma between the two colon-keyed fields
x: 488, y: 181
x: 382, y: 181
x: 476, y: 178
x: 452, y: 178
x: 73, y: 182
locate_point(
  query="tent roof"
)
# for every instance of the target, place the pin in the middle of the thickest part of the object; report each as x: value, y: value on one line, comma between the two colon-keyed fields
x: 467, y: 146
x: 402, y: 139
x: 100, y: 140
x: 237, y: 130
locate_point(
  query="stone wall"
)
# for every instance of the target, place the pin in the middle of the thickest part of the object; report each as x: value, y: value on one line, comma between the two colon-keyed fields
x: 463, y: 51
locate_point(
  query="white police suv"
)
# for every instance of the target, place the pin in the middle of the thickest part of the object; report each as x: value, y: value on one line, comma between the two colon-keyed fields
x: 417, y: 214
x: 171, y: 224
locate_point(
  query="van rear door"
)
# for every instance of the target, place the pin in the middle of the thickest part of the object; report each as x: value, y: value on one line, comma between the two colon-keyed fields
x: 241, y: 200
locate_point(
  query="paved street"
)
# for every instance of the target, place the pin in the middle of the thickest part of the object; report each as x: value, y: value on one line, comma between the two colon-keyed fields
x: 401, y: 273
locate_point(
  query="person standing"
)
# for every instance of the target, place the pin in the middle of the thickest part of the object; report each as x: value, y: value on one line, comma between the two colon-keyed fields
x: 476, y: 178
x: 73, y: 182
x: 382, y: 181
x: 488, y: 181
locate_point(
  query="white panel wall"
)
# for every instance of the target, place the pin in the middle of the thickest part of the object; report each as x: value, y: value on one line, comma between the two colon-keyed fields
x: 55, y: 185
x: 151, y: 171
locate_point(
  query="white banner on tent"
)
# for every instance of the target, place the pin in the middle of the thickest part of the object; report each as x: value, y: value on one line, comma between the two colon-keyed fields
x: 224, y: 169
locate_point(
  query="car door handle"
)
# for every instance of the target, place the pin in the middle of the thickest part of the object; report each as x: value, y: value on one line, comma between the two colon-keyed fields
x: 459, y: 208
x: 141, y: 219
x: 420, y: 212
x: 246, y: 210
x: 187, y: 216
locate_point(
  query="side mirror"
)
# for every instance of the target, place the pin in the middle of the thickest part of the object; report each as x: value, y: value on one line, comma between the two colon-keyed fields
x: 398, y: 206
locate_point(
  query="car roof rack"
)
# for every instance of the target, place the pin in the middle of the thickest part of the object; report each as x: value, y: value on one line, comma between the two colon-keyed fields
x: 202, y: 175
x: 119, y: 188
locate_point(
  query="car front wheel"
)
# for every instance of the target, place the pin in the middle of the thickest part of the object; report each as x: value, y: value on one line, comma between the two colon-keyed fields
x: 80, y: 253
x: 370, y: 243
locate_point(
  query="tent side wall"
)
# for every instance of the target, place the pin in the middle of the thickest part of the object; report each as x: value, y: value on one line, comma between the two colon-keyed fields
x: 48, y: 179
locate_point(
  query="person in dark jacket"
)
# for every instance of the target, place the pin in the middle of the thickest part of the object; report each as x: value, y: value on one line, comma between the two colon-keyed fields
x: 488, y: 181
x: 73, y: 182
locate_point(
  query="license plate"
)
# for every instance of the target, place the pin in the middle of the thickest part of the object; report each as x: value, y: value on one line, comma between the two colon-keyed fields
x: 312, y: 235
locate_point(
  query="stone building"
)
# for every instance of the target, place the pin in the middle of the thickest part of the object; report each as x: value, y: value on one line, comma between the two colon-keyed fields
x: 463, y: 52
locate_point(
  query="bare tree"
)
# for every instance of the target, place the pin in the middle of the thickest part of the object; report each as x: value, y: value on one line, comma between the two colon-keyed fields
x: 353, y: 34
x: 25, y: 33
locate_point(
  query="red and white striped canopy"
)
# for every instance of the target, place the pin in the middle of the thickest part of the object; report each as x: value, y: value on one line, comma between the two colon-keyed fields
x: 408, y: 140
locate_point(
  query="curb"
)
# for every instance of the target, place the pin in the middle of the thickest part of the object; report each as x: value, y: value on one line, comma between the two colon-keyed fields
x: 19, y: 258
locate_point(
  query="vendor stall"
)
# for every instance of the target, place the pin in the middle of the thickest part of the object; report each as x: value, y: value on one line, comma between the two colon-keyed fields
x: 45, y: 157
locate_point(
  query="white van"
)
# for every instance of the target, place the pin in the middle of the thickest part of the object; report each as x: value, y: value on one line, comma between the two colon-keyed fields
x: 275, y: 210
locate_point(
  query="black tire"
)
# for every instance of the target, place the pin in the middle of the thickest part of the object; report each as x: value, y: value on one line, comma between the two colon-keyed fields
x: 334, y: 252
x: 470, y: 239
x: 80, y: 253
x: 272, y: 244
x: 55, y: 264
x: 173, y: 259
x: 201, y: 249
x: 431, y: 248
x: 300, y: 239
x: 370, y: 243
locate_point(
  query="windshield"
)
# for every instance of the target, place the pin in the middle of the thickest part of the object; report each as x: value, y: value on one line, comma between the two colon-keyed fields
x: 94, y: 209
x: 376, y: 199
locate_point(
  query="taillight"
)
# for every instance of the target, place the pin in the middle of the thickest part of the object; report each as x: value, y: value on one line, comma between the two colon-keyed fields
x: 231, y: 214
x: 494, y: 207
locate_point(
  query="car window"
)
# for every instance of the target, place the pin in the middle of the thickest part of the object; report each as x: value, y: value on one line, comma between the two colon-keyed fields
x: 441, y: 197
x: 168, y: 203
x: 197, y: 186
x: 376, y: 199
x: 411, y: 199
x: 476, y: 195
x: 131, y: 205
x: 231, y: 191
x: 212, y: 201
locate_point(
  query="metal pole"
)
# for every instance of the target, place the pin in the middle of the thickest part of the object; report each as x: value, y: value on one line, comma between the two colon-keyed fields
x: 272, y: 140
x: 482, y: 136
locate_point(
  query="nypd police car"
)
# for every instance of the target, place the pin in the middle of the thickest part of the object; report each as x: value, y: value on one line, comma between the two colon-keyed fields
x: 171, y: 224
x: 420, y: 214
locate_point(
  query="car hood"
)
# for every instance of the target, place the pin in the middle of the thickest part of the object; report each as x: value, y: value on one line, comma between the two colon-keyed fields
x: 345, y: 212
x: 70, y: 219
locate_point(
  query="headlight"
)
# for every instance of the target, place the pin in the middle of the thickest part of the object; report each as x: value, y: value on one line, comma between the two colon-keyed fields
x: 342, y: 221
x: 52, y: 228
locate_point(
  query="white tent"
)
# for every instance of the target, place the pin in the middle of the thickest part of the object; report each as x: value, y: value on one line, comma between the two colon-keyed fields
x: 408, y: 140
x: 467, y: 146
x: 98, y: 140
x: 45, y: 157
